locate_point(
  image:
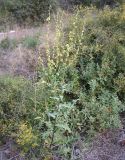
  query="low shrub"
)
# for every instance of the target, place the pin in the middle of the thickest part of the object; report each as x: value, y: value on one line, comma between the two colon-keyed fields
x: 8, y: 44
x: 12, y: 103
x: 30, y: 42
x: 26, y: 138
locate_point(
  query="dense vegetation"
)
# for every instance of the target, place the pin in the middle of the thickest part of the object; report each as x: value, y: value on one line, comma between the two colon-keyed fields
x: 27, y: 11
x: 79, y: 92
x: 34, y: 11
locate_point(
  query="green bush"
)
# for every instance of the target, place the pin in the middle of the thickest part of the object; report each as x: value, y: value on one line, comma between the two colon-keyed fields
x: 87, y: 72
x: 98, y: 3
x: 8, y: 44
x: 28, y: 11
x: 79, y: 93
x: 13, y: 97
x: 30, y: 42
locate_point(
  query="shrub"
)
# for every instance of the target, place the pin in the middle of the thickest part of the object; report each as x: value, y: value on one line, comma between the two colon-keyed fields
x: 98, y: 3
x: 26, y: 138
x: 30, y: 42
x: 79, y: 92
x: 8, y: 44
x: 28, y: 11
x: 13, y: 100
x: 84, y: 85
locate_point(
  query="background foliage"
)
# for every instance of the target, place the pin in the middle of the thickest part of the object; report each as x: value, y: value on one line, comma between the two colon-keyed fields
x: 28, y: 11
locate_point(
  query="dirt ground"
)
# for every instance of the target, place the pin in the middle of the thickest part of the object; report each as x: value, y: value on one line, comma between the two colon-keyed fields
x: 19, y: 60
x: 106, y: 146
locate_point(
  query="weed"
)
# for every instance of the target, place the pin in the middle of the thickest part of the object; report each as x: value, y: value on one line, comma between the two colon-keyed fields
x: 30, y: 42
x: 8, y: 44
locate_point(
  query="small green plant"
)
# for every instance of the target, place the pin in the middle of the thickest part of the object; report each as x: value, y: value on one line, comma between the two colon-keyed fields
x: 8, y: 44
x: 26, y: 138
x: 30, y: 42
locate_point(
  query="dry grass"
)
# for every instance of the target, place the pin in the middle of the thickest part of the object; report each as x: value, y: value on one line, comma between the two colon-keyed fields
x: 22, y: 61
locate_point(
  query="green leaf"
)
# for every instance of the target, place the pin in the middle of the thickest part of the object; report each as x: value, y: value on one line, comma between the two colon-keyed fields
x: 64, y: 127
x: 53, y: 115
